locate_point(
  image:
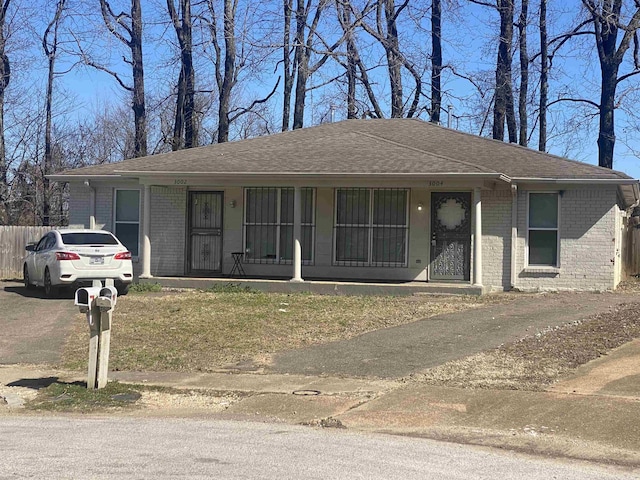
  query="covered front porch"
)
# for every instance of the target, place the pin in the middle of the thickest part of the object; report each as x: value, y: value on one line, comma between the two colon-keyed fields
x: 321, y: 287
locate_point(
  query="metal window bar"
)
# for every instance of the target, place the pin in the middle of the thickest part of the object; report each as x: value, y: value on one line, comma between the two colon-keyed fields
x: 268, y: 225
x: 371, y: 227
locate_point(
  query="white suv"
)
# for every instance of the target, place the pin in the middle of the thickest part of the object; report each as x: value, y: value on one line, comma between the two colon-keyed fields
x: 64, y: 258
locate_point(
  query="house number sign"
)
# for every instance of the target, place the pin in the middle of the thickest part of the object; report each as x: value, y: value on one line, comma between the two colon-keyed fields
x: 435, y: 183
x: 180, y: 181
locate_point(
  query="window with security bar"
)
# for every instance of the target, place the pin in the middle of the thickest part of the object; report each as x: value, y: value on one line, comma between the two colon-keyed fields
x: 371, y: 227
x: 268, y: 225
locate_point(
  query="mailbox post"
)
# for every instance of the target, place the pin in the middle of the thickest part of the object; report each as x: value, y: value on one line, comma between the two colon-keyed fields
x: 97, y: 302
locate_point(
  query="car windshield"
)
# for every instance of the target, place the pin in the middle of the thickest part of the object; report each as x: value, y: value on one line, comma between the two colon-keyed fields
x: 88, y: 238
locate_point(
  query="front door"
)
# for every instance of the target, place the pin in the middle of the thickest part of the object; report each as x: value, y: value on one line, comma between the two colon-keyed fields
x: 205, y: 232
x: 450, y: 236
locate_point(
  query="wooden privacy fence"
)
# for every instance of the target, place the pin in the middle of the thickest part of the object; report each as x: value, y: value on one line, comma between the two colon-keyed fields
x: 12, y: 243
x: 631, y: 249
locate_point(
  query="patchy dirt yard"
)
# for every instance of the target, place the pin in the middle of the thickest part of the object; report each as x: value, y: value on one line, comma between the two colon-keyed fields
x: 204, y: 331
x: 536, y: 361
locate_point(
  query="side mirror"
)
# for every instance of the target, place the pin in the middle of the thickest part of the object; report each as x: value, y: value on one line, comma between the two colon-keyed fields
x: 30, y: 247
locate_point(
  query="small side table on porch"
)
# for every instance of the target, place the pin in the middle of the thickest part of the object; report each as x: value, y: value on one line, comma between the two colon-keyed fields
x: 237, y: 265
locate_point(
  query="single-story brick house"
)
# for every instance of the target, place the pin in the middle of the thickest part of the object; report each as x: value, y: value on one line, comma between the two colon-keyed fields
x: 387, y: 200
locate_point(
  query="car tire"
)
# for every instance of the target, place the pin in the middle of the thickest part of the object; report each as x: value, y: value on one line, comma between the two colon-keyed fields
x: 123, y: 290
x: 50, y: 290
x: 27, y: 280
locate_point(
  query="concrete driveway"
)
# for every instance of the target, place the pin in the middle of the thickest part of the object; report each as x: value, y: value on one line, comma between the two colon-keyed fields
x: 33, y: 327
x: 399, y: 351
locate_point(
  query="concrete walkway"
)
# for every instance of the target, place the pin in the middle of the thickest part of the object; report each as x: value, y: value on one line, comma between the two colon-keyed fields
x: 399, y: 351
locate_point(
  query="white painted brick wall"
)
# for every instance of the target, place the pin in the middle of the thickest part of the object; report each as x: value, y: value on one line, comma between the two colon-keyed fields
x: 587, y: 230
x: 79, y: 205
x: 496, y: 238
x: 167, y: 230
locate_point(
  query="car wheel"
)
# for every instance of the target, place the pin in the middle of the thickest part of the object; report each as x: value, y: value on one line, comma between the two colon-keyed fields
x: 50, y: 290
x: 123, y: 290
x: 27, y: 281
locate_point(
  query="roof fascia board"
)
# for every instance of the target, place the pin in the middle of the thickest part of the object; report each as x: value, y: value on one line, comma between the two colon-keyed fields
x: 81, y: 178
x: 612, y: 181
x: 141, y: 174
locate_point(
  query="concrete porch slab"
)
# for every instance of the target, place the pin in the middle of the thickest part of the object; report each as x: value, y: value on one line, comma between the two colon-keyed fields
x: 322, y: 287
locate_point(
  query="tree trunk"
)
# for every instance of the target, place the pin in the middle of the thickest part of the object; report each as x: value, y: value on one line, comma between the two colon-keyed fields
x: 524, y: 73
x: 606, y: 134
x: 394, y: 61
x: 503, y: 105
x: 184, y: 117
x: 289, y: 69
x: 139, y: 106
x: 302, y: 65
x: 178, y: 123
x: 544, y: 77
x: 5, y: 76
x: 228, y: 80
x: 436, y: 61
x: 607, y: 24
x: 50, y: 46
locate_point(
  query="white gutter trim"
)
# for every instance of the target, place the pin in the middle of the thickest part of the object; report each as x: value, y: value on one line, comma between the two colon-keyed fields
x: 80, y: 178
x: 498, y: 176
x: 614, y: 181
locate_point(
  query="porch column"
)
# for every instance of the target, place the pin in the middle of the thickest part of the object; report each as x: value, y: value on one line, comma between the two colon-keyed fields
x: 146, y: 242
x: 297, y: 235
x: 477, y: 237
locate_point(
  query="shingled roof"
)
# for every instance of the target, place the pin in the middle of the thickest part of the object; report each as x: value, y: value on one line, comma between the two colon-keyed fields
x: 358, y: 147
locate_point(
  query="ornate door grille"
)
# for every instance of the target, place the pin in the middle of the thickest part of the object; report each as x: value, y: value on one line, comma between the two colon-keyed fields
x: 205, y: 232
x: 450, y: 236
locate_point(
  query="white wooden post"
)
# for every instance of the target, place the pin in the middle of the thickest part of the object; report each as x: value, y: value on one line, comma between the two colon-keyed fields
x: 94, y: 341
x: 146, y: 242
x: 477, y: 237
x: 104, y: 343
x: 297, y: 235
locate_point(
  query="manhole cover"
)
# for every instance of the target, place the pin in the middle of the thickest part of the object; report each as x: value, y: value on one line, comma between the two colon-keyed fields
x: 306, y: 393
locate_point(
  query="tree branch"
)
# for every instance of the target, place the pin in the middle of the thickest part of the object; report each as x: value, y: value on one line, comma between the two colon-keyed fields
x: 255, y: 102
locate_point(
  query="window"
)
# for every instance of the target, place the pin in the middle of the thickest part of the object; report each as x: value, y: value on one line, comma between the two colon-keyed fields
x: 268, y: 225
x: 88, y: 239
x: 127, y: 219
x: 543, y: 232
x: 371, y: 226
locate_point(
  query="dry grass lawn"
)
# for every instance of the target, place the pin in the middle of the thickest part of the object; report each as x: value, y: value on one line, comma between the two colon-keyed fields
x: 203, y: 331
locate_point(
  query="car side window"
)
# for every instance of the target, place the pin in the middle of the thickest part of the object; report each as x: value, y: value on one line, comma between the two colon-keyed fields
x: 42, y: 243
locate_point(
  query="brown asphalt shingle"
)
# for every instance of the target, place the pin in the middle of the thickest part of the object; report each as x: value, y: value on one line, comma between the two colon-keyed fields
x: 388, y: 146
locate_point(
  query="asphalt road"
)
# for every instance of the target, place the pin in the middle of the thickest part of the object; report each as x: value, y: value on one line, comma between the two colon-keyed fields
x: 33, y: 328
x: 100, y: 448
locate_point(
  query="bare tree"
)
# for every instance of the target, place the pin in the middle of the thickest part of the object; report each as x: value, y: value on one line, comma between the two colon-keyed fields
x: 127, y: 28
x: 5, y: 76
x: 50, y: 47
x: 544, y: 78
x: 185, y: 104
x: 288, y: 64
x: 228, y: 63
x: 355, y: 69
x: 524, y: 72
x: 436, y: 61
x: 386, y: 32
x: 608, y: 25
x: 503, y: 108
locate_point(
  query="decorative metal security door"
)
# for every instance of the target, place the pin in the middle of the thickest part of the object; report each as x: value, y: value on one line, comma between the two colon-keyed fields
x: 205, y: 232
x: 450, y: 236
